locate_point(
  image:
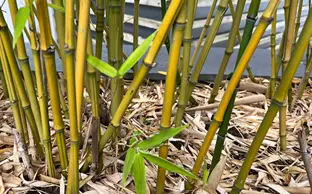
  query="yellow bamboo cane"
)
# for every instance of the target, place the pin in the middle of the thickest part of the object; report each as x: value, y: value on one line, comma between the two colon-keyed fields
x: 170, y: 89
x: 218, y: 117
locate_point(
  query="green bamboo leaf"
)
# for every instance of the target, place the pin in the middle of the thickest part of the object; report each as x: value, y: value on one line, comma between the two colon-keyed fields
x: 102, y: 66
x: 206, y: 174
x: 136, y: 55
x: 157, y: 139
x: 167, y: 165
x: 21, y: 18
x: 131, y: 154
x: 57, y: 7
x: 139, y: 175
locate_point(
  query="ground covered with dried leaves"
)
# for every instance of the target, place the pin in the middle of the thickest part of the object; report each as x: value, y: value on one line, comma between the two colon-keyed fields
x: 273, y: 171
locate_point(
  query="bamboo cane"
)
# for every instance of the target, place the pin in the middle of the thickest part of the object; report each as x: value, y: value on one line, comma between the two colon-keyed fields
x: 277, y: 102
x: 229, y: 48
x: 218, y: 117
x: 252, y: 17
x: 16, y: 113
x: 148, y: 63
x: 24, y: 64
x: 7, y: 44
x: 163, y: 5
x: 290, y: 15
x: 60, y: 30
x: 76, y: 92
x: 115, y: 47
x: 203, y: 33
x: 187, y: 40
x: 136, y: 31
x: 3, y: 84
x: 24, y: 123
x: 170, y: 88
x: 100, y: 4
x: 46, y: 45
x: 303, y: 83
x: 272, y: 84
x: 46, y: 137
x: 222, y: 7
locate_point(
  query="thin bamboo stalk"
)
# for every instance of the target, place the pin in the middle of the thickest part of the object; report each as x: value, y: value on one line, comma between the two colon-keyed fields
x: 249, y: 26
x: 60, y: 30
x: 277, y: 102
x: 170, y: 89
x: 187, y: 40
x: 24, y: 64
x: 17, y: 118
x: 203, y: 33
x: 100, y: 4
x: 163, y: 5
x: 290, y: 15
x: 219, y: 115
x: 272, y: 84
x: 237, y: 16
x: 24, y: 123
x: 46, y: 137
x: 115, y: 47
x: 222, y: 7
x: 7, y: 44
x: 173, y: 9
x: 46, y: 45
x: 136, y: 31
x: 298, y: 21
x: 3, y: 83
x: 303, y: 83
x: 62, y: 99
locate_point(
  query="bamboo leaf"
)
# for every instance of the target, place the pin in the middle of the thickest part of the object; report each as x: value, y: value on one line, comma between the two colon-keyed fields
x: 136, y: 55
x: 157, y: 139
x: 102, y: 66
x: 130, y: 157
x: 56, y: 7
x: 20, y: 23
x: 139, y: 175
x: 167, y: 165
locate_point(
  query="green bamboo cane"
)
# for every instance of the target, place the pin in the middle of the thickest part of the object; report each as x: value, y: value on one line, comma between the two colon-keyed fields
x: 247, y: 54
x: 136, y: 31
x: 272, y: 84
x: 24, y: 64
x: 24, y: 123
x: 46, y: 45
x: 62, y: 99
x: 290, y: 15
x: 163, y: 4
x: 60, y: 30
x: 100, y: 4
x: 3, y: 83
x: 115, y: 47
x: 170, y: 88
x: 16, y: 113
x: 222, y: 7
x: 46, y: 137
x: 249, y: 26
x: 7, y: 44
x: 187, y: 40
x: 203, y: 33
x: 229, y: 48
x: 277, y: 102
x: 148, y: 63
x: 303, y: 83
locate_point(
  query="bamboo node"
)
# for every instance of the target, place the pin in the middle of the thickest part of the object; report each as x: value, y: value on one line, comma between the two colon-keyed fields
x: 13, y: 102
x: 151, y: 65
x: 277, y: 103
x: 26, y: 107
x: 235, y: 189
x: 252, y: 18
x: 267, y: 20
x: 23, y: 60
x: 222, y: 137
x: 180, y: 25
x: 187, y: 40
x: 182, y: 105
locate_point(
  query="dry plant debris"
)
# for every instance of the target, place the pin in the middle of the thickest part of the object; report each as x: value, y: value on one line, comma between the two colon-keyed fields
x: 272, y: 171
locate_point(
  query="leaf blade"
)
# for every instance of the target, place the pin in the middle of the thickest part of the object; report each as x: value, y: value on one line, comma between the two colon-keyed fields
x: 20, y: 22
x: 139, y: 174
x: 157, y: 139
x: 130, y: 157
x: 167, y: 165
x: 102, y: 66
x: 136, y: 55
x: 57, y: 7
